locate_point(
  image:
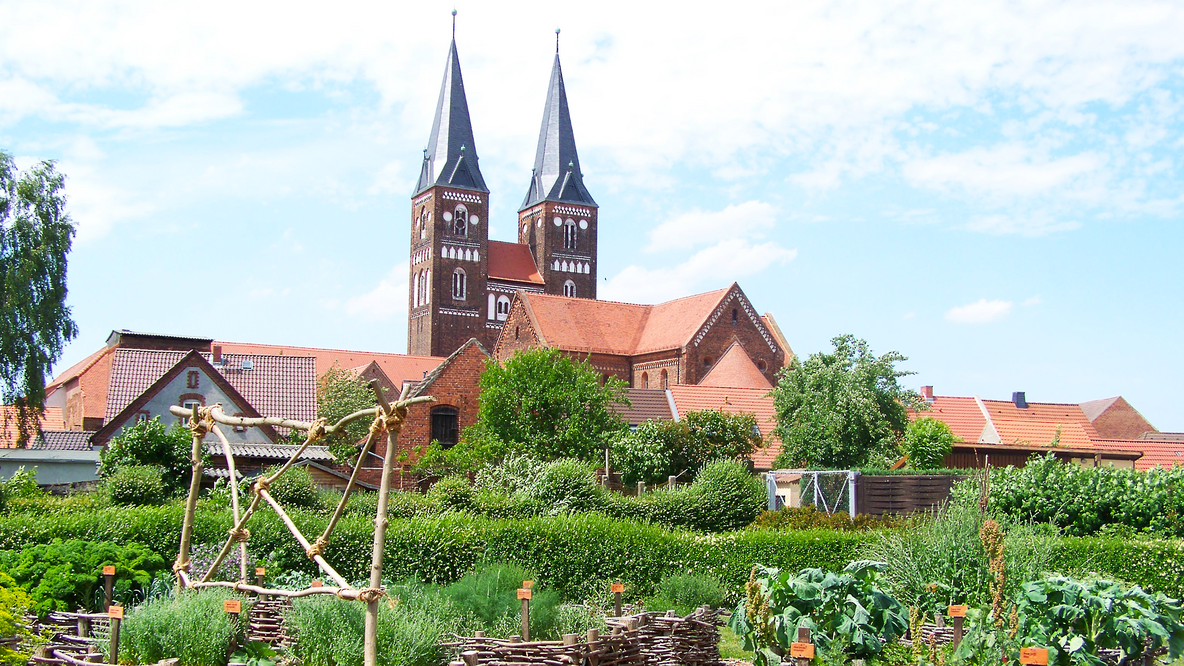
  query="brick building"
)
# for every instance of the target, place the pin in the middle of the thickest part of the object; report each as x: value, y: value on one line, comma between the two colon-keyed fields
x: 684, y: 341
x: 461, y: 283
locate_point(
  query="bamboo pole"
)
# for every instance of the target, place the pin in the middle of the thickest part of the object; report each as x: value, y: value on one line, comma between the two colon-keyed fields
x: 182, y: 563
x: 332, y: 573
x: 341, y: 592
x: 242, y: 545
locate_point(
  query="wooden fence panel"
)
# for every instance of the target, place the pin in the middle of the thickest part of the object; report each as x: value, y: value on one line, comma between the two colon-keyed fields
x: 904, y: 493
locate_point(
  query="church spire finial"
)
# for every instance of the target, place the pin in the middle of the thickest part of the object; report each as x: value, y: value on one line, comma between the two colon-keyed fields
x: 454, y: 24
x: 556, y: 41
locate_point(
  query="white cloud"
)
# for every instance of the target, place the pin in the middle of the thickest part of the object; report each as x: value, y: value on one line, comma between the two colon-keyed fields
x: 979, y: 312
x: 386, y: 301
x: 710, y: 268
x: 697, y: 227
x: 1008, y: 170
x: 1031, y: 225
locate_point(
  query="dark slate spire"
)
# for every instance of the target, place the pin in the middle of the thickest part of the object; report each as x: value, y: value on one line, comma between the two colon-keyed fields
x: 557, y: 174
x: 451, y: 155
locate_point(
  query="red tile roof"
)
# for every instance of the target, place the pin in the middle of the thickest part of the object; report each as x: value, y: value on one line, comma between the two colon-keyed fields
x: 282, y: 386
x: 644, y: 405
x: 397, y: 367
x: 622, y: 329
x: 962, y: 415
x: 1165, y: 454
x: 735, y: 368
x: 51, y: 419
x: 1040, y: 423
x: 757, y: 402
x: 513, y: 262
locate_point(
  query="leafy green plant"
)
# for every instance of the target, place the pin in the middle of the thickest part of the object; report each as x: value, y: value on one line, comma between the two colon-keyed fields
x: 453, y: 493
x: 255, y: 653
x: 66, y: 575
x: 488, y: 594
x: 151, y: 443
x: 137, y: 484
x: 191, y: 627
x: 683, y: 593
x: 810, y: 518
x: 295, y: 487
x: 567, y: 486
x: 847, y: 613
x: 927, y: 442
x: 341, y: 392
x: 15, y: 603
x: 660, y: 449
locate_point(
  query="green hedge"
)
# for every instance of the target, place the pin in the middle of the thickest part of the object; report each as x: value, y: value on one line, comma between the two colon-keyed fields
x: 1154, y: 564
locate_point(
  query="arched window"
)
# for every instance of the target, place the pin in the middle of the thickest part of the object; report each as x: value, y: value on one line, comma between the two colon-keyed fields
x: 415, y: 289
x: 503, y: 307
x: 517, y: 332
x: 459, y: 285
x: 735, y: 315
x: 645, y: 380
x: 423, y: 222
x: 570, y: 238
x: 460, y: 221
x: 665, y: 380
x: 427, y: 286
x: 569, y: 289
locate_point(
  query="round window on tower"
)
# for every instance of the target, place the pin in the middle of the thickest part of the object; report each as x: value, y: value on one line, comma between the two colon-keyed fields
x: 447, y: 216
x: 559, y: 221
x: 473, y: 219
x: 583, y: 224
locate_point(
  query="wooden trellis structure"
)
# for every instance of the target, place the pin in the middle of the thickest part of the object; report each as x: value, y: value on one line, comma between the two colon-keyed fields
x: 387, y: 418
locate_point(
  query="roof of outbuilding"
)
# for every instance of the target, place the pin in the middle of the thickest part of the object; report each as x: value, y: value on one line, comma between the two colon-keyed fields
x: 757, y: 402
x: 624, y: 329
x: 645, y: 405
x: 735, y: 368
x: 63, y: 440
x: 51, y: 419
x: 269, y: 451
x: 1165, y: 454
x: 512, y: 262
x: 398, y: 368
x: 1040, y: 423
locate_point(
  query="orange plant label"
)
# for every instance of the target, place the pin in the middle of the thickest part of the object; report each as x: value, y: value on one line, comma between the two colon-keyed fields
x: 232, y: 606
x: 1034, y: 656
x: 618, y: 588
x: 524, y: 593
x: 801, y: 650
x: 108, y: 570
x: 115, y: 612
x: 316, y: 583
x: 958, y: 611
x: 528, y: 584
x: 260, y: 571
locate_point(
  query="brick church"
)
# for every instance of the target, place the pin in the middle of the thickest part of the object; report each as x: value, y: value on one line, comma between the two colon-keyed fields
x: 541, y: 290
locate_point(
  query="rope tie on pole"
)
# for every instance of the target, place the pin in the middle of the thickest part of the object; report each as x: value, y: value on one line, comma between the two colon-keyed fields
x: 391, y: 421
x: 317, y: 548
x: 240, y: 535
x: 369, y: 594
x: 316, y: 431
x: 181, y: 565
x: 262, y: 484
x: 204, y: 423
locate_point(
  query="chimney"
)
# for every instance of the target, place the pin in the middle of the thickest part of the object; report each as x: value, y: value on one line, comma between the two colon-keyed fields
x: 217, y: 351
x: 1020, y: 401
x: 927, y: 393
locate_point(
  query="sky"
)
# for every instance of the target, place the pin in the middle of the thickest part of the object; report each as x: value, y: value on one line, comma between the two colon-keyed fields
x: 993, y: 189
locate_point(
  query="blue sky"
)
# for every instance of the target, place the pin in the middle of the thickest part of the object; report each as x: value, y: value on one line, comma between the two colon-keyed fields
x: 993, y: 189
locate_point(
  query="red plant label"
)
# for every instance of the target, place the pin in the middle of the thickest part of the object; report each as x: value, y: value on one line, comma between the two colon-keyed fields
x: 316, y: 583
x: 115, y: 612
x: 524, y: 593
x: 232, y: 606
x: 801, y: 650
x: 260, y: 571
x: 109, y: 570
x: 618, y: 588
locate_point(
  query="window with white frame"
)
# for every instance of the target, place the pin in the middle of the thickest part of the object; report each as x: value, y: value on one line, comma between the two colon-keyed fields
x: 460, y: 221
x: 570, y: 237
x: 569, y: 289
x: 503, y: 307
x: 459, y: 285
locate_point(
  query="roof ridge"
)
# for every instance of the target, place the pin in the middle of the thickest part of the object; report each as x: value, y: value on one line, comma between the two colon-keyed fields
x: 327, y: 349
x: 589, y: 300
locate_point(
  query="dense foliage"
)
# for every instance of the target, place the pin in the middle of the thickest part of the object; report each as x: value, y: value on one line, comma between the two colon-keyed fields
x: 847, y: 613
x: 543, y: 403
x: 15, y: 603
x: 1084, y: 500
x: 35, y: 324
x: 842, y: 410
x: 191, y: 627
x: 660, y: 449
x: 488, y: 594
x: 342, y: 392
x: 683, y: 593
x: 22, y: 485
x: 809, y: 518
x: 294, y: 487
x: 66, y: 574
x: 927, y: 442
x: 150, y: 443
x: 137, y: 484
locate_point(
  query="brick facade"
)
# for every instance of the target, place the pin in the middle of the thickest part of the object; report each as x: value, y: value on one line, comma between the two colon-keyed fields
x: 545, y: 228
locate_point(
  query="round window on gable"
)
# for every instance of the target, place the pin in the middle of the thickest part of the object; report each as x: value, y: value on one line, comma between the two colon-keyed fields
x: 707, y: 361
x: 762, y: 366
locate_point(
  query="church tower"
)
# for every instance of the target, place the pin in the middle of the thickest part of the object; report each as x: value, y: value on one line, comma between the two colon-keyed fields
x: 449, y: 229
x: 557, y: 220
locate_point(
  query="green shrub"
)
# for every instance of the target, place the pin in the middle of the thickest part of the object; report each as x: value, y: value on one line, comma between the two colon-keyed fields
x: 927, y: 442
x: 15, y: 603
x: 330, y: 631
x: 489, y: 595
x: 191, y: 627
x: 683, y: 593
x: 136, y: 484
x: 567, y: 486
x: 66, y: 575
x: 294, y: 488
x: 810, y: 518
x: 151, y: 443
x: 1082, y: 500
x: 847, y: 613
x: 660, y: 449
x: 724, y: 496
x: 515, y: 473
x: 454, y: 493
x: 1153, y: 564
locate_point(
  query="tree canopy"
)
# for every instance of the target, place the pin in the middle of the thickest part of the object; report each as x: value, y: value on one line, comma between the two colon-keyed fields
x: 35, y: 324
x: 340, y: 393
x: 927, y: 442
x: 660, y: 449
x: 843, y: 409
x: 543, y: 403
x: 151, y: 443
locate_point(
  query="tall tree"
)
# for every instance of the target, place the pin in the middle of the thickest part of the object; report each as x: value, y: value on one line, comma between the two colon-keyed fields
x: 842, y: 409
x: 35, y: 324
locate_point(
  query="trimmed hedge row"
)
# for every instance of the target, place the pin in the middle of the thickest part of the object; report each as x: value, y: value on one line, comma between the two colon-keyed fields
x: 579, y: 554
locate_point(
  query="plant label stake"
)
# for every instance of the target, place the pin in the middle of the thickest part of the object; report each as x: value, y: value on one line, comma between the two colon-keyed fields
x: 108, y: 581
x: 114, y: 616
x: 802, y: 650
x: 233, y: 607
x: 1034, y: 656
x: 524, y: 594
x: 958, y: 615
x: 260, y: 574
x: 316, y: 583
x: 617, y: 589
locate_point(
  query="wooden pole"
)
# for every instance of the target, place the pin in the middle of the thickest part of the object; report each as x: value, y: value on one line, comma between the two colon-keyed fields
x: 108, y: 583
x: 182, y: 563
x: 115, y: 640
x: 803, y: 637
x: 242, y: 545
x: 526, y: 618
x: 617, y: 589
x: 958, y: 631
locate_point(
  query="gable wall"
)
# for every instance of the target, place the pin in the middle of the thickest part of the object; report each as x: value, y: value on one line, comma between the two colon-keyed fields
x: 1121, y: 421
x: 711, y: 344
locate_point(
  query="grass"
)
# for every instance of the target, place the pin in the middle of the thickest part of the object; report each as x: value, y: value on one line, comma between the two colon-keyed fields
x: 729, y: 645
